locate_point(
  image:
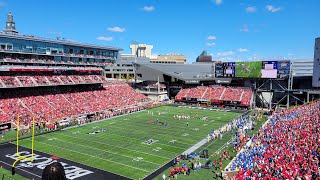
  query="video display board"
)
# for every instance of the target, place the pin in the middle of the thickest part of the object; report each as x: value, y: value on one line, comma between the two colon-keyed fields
x: 269, y: 69
x: 229, y: 69
x: 256, y: 69
x: 218, y: 70
x: 248, y: 69
x: 283, y: 69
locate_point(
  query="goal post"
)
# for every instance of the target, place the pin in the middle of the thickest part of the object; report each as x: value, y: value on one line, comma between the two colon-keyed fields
x: 20, y: 158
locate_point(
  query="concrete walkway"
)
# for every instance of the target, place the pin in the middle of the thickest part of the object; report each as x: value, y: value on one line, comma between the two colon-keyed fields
x: 196, y: 146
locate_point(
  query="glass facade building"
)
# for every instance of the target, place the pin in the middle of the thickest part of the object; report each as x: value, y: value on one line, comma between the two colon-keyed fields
x: 22, y: 46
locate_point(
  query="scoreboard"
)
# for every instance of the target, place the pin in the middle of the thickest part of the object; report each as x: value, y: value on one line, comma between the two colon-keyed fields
x: 283, y: 69
x: 218, y: 70
x: 229, y: 69
x: 225, y: 69
x: 257, y: 69
x: 269, y: 69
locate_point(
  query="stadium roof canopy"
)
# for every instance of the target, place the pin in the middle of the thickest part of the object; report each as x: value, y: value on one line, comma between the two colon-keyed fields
x: 190, y: 73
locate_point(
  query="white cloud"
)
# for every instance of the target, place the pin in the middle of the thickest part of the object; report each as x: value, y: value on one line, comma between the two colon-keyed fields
x: 212, y: 37
x: 211, y: 44
x: 148, y: 8
x: 243, y: 50
x: 104, y: 38
x: 116, y: 29
x: 291, y: 54
x: 222, y: 54
x: 251, y: 9
x: 244, y: 28
x: 217, y: 2
x: 273, y: 9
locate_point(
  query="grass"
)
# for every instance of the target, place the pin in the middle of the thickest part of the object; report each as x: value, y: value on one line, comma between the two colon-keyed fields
x: 212, y: 147
x: 6, y: 175
x: 121, y: 149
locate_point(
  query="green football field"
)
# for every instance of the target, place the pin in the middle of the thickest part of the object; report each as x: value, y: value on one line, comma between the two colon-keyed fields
x: 133, y: 145
x: 248, y: 69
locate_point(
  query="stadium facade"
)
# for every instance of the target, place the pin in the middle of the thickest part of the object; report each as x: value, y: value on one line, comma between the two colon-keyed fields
x: 289, y: 83
x: 19, y: 46
x: 316, y: 67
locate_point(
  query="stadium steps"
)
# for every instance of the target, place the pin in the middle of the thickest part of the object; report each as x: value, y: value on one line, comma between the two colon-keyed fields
x: 68, y: 101
x: 46, y: 100
x: 48, y: 81
x: 221, y: 96
x: 19, y: 82
x: 242, y: 93
x: 60, y: 80
x: 187, y: 94
x: 203, y: 94
x: 71, y: 80
x: 34, y: 81
x: 25, y: 106
x: 99, y: 78
x: 2, y: 83
x: 91, y: 79
x: 83, y: 81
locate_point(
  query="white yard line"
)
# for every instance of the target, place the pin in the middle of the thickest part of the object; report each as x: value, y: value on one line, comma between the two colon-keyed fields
x: 114, y: 146
x: 111, y: 152
x: 21, y: 169
x: 94, y: 157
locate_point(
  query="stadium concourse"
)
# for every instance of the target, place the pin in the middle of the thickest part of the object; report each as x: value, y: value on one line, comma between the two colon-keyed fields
x: 286, y: 147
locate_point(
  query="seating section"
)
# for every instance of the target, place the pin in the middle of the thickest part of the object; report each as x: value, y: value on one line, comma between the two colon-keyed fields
x: 239, y: 94
x: 11, y: 81
x: 232, y: 94
x: 50, y: 104
x: 246, y: 97
x: 214, y: 92
x: 286, y: 148
x: 26, y: 80
x: 108, y: 61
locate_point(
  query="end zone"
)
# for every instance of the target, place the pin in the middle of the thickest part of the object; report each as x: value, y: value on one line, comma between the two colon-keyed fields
x: 34, y: 170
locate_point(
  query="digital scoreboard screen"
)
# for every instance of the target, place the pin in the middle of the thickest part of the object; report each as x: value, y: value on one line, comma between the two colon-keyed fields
x: 229, y: 69
x: 269, y: 69
x: 283, y: 69
x: 253, y: 69
x: 218, y: 70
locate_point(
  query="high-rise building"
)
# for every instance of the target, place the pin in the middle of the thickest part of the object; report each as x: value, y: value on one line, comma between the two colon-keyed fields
x: 141, y: 50
x: 316, y: 65
x: 169, y: 59
x: 204, y: 57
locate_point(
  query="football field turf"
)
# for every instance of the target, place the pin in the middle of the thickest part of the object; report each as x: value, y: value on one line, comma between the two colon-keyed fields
x: 133, y: 145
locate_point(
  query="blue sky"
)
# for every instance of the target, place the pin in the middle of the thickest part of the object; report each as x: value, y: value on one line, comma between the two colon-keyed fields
x: 227, y: 29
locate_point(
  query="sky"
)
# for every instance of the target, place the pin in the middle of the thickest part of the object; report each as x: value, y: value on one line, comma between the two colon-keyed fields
x: 230, y: 30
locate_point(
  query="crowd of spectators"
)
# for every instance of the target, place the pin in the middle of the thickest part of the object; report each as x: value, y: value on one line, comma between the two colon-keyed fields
x: 107, y: 61
x: 288, y: 147
x: 237, y: 94
x: 18, y: 81
x: 51, y: 104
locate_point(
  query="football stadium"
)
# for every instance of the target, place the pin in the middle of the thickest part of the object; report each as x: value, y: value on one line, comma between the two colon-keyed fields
x: 72, y: 110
